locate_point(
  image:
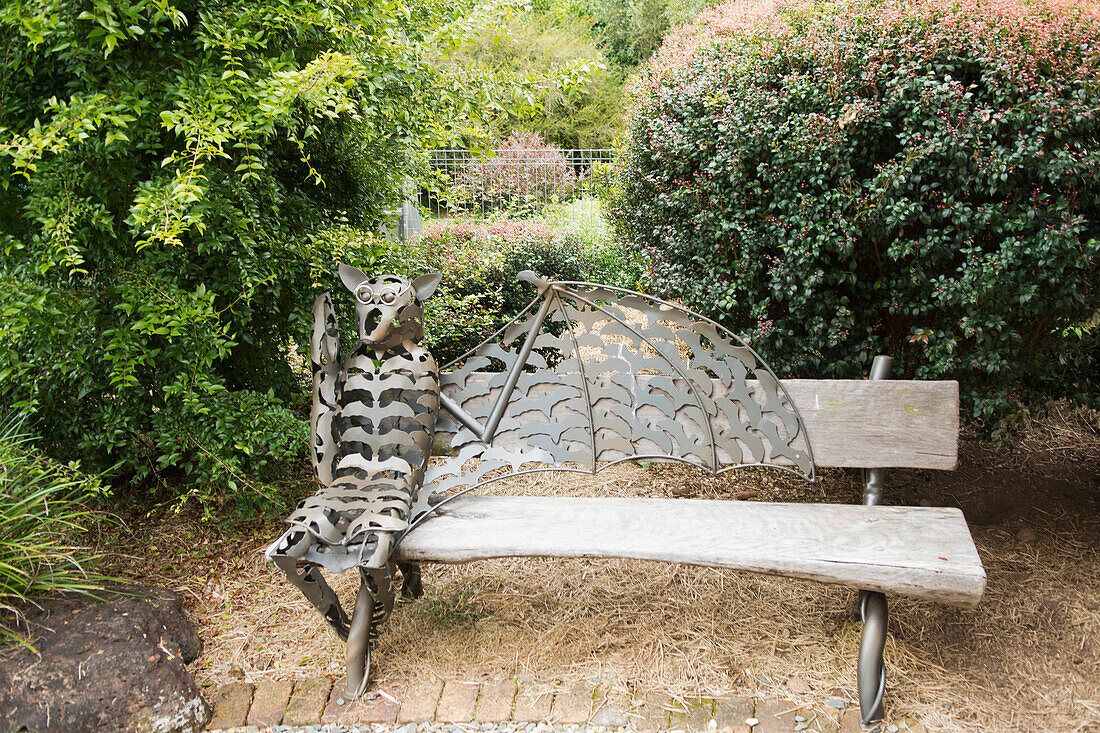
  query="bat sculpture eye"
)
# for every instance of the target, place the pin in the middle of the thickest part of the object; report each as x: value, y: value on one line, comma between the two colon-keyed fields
x: 388, y: 296
x: 363, y: 293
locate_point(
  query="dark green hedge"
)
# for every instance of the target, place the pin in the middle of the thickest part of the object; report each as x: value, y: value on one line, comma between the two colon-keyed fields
x: 852, y: 178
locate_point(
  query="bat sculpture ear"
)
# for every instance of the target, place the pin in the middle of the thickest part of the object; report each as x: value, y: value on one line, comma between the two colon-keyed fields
x: 351, y: 276
x: 426, y: 284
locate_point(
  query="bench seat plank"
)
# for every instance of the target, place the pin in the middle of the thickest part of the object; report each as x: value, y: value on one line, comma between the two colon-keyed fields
x: 921, y: 552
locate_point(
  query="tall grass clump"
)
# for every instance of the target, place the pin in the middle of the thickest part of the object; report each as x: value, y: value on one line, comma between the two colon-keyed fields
x: 840, y: 179
x: 42, y: 518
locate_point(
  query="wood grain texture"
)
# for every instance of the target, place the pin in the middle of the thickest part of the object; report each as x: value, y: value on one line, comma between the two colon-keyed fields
x: 912, y: 551
x: 854, y: 423
x: 880, y: 424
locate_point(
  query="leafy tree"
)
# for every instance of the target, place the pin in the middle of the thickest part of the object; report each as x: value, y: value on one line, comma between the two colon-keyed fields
x: 166, y: 174
x: 579, y: 101
x: 628, y: 31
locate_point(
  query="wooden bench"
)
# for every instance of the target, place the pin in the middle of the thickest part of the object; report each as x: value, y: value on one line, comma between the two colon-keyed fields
x: 919, y: 552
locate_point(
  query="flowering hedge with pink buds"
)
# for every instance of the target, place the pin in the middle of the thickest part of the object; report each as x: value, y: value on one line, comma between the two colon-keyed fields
x: 840, y: 179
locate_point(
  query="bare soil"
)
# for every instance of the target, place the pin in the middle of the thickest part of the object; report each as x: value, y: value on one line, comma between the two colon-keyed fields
x: 1028, y: 658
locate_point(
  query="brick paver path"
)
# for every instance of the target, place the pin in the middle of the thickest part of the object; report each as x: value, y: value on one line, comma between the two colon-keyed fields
x: 585, y: 703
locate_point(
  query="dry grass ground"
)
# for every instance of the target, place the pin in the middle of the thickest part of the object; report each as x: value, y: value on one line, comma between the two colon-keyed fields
x: 1028, y: 658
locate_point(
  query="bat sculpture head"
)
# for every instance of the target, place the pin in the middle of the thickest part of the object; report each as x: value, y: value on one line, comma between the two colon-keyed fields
x: 388, y: 309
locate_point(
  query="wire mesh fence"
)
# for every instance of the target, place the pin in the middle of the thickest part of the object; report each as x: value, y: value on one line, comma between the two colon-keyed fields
x: 512, y: 181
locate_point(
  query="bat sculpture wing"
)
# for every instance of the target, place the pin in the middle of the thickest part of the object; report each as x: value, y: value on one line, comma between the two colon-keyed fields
x: 589, y: 376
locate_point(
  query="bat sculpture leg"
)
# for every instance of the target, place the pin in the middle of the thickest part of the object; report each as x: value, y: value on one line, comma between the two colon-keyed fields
x: 372, y: 605
x: 309, y: 580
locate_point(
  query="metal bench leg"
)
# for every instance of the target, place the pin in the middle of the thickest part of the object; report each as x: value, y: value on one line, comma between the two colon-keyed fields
x: 411, y: 585
x: 872, y: 668
x: 871, y: 671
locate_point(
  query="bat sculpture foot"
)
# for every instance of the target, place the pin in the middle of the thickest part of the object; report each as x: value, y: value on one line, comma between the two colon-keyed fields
x: 287, y: 554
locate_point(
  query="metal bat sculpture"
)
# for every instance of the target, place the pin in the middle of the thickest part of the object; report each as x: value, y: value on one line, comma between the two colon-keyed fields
x: 585, y: 377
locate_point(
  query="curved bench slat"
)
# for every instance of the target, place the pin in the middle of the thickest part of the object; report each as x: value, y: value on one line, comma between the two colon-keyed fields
x: 921, y: 552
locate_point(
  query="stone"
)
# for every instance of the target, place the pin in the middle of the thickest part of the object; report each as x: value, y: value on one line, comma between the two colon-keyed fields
x: 231, y: 705
x: 1027, y: 535
x: 691, y: 714
x: 495, y: 703
x: 573, y: 703
x: 457, y: 702
x: 730, y: 714
x: 532, y: 703
x: 649, y: 712
x: 775, y: 717
x: 610, y: 707
x: 798, y: 686
x: 379, y: 704
x: 849, y: 722
x: 268, y: 703
x: 420, y: 701
x: 307, y: 701
x: 113, y: 665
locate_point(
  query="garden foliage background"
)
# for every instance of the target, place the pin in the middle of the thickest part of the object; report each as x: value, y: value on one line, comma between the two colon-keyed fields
x: 830, y: 179
x: 170, y: 176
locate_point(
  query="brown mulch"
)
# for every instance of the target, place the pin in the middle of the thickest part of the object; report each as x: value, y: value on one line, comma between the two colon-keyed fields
x: 1028, y: 658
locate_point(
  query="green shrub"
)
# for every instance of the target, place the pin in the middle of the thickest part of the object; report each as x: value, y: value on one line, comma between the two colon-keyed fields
x: 166, y: 175
x: 546, y: 49
x: 479, y: 261
x: 629, y: 30
x: 836, y: 180
x: 41, y: 521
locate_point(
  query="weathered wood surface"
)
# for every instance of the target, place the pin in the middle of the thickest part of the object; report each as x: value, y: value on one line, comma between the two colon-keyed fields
x: 858, y: 423
x: 912, y: 551
x: 879, y: 424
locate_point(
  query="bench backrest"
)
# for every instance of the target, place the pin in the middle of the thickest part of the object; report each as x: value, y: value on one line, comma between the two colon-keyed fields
x: 590, y: 375
x: 879, y: 424
x: 851, y: 423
